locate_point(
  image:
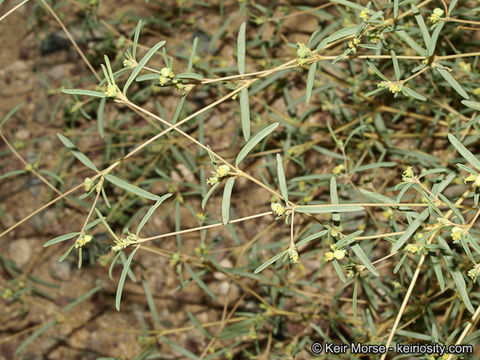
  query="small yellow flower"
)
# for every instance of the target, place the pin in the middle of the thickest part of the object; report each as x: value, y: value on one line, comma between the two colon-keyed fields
x: 339, y: 254
x: 111, y: 91
x: 7, y: 294
x: 213, y: 180
x: 277, y: 208
x: 457, y: 233
x: 293, y: 255
x: 303, y: 51
x: 28, y: 167
x: 329, y: 256
x: 162, y: 80
x: 474, y: 272
x: 388, y: 214
x: 467, y: 67
x: 469, y: 178
x: 82, y: 241
x: 364, y: 14
x: 174, y: 259
x: 128, y: 63
x: 167, y: 72
x: 338, y: 169
x: 436, y: 15
x: 223, y: 170
x: 407, y: 175
x: 476, y: 91
x: 87, y: 184
x: 412, y: 248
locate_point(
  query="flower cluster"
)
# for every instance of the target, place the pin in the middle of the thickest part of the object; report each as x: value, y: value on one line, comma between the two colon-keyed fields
x: 335, y: 254
x: 407, y: 175
x: 474, y: 272
x: 83, y: 240
x: 414, y: 248
x: 303, y: 53
x: 87, y: 184
x: 338, y: 169
x: 353, y: 44
x: 277, y: 208
x: 457, y: 233
x: 436, y: 15
x: 221, y: 172
x: 111, y: 91
x: 122, y: 243
x: 393, y: 86
x: 472, y: 178
x: 293, y: 255
x: 166, y: 73
x: 364, y: 14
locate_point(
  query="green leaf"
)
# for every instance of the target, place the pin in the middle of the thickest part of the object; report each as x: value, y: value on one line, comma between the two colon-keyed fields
x: 342, y: 33
x: 453, y: 83
x: 135, y: 38
x: 35, y: 335
x: 132, y: 188
x: 109, y: 70
x: 192, y: 55
x: 412, y: 93
x: 254, y: 141
x: 396, y: 68
x: 462, y: 288
x: 310, y: 81
x: 357, y: 249
x: 227, y: 194
x: 402, y: 34
x: 421, y: 25
x: 338, y: 270
x: 60, y: 239
x: 77, y: 153
x: 245, y: 113
x: 10, y: 114
x: 121, y: 282
x: 410, y: 230
x: 466, y: 154
x: 433, y: 41
x: 282, y: 182
x: 200, y: 282
x: 101, y: 125
x: 327, y: 209
x: 179, y: 349
x: 141, y: 64
x: 270, y: 262
x: 151, y: 303
x: 151, y: 211
x: 84, y: 92
x: 241, y: 49
x: 209, y: 193
x: 471, y: 104
x: 354, y: 299
x: 376, y: 71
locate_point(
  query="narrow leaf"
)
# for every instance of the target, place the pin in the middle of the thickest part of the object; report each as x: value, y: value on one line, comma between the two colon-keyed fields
x: 200, y: 282
x: 410, y: 230
x: 327, y: 209
x: 245, y: 113
x: 132, y: 188
x: 77, y: 153
x: 282, y: 182
x: 453, y: 83
x: 254, y: 141
x: 466, y: 154
x: 151, y: 211
x: 310, y: 81
x: 227, y: 194
x: 123, y: 277
x: 141, y: 64
x: 357, y: 249
x: 241, y: 49
x: 84, y: 92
